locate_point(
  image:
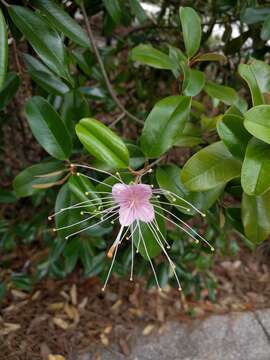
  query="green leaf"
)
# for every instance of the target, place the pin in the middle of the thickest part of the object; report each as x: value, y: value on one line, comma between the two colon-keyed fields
x: 45, y: 40
x: 257, y: 122
x: 166, y: 120
x: 209, y: 57
x: 256, y: 217
x: 191, y: 136
x: 150, y: 243
x: 25, y: 180
x: 169, y: 178
x: 248, y: 73
x: 48, y: 128
x: 255, y: 175
x: 177, y: 57
x: 102, y: 142
x: 79, y: 186
x: 148, y: 55
x: 7, y: 197
x: 265, y: 32
x: 191, y: 26
x: 195, y: 84
x: 3, y: 49
x: 114, y: 9
x: 62, y: 21
x: 212, y: 166
x: 255, y: 15
x: 49, y: 83
x: 138, y: 10
x: 223, y: 93
x: 232, y: 132
x: 9, y: 89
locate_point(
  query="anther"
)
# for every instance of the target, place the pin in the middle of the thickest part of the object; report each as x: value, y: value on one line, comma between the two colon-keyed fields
x: 78, y: 174
x: 54, y: 230
x: 49, y: 218
x: 81, y: 212
x: 112, y: 222
x: 179, y: 289
x: 103, y: 289
x: 150, y: 171
x: 152, y: 186
x: 66, y: 237
x: 130, y: 279
x: 203, y: 215
x: 62, y: 210
x: 212, y: 249
x: 196, y: 241
x: 168, y: 247
x: 159, y: 289
x: 86, y: 193
x: 158, y: 196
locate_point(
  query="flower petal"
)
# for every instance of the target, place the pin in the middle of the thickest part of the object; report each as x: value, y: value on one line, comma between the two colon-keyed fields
x: 126, y: 215
x: 145, y: 212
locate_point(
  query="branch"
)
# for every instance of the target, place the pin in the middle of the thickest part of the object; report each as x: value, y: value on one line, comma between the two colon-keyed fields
x: 102, y: 68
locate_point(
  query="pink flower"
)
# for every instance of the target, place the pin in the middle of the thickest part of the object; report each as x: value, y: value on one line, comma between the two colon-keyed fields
x: 134, y: 202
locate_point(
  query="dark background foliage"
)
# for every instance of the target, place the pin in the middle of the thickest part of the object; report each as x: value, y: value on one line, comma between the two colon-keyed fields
x: 52, y: 67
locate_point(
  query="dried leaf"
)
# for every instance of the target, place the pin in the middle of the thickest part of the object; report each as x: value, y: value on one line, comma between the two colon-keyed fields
x: 73, y: 294
x: 116, y: 305
x: 8, y: 328
x: 104, y: 339
x: 83, y: 303
x: 17, y: 294
x: 107, y: 329
x: 148, y: 329
x: 56, y: 306
x: 60, y: 323
x: 44, y: 351
x: 56, y: 357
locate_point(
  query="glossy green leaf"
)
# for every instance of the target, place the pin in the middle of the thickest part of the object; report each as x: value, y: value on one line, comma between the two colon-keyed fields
x: 177, y: 56
x: 48, y: 128
x: 257, y: 122
x: 148, y: 55
x: 212, y: 166
x: 195, y: 83
x: 138, y: 10
x: 169, y: 178
x: 190, y: 137
x: 255, y: 175
x: 166, y: 120
x: 25, y: 180
x: 256, y: 217
x: 248, y: 73
x: 232, y: 132
x: 7, y: 196
x: 79, y: 185
x: 45, y: 40
x: 191, y: 27
x: 102, y: 142
x: 3, y: 49
x: 253, y: 15
x: 49, y: 83
x: 9, y: 89
x: 62, y: 21
x: 209, y: 57
x: 265, y: 32
x: 223, y: 93
x: 114, y: 9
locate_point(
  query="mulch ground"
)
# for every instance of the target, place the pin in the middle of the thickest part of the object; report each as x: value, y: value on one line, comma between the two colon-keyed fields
x: 63, y: 318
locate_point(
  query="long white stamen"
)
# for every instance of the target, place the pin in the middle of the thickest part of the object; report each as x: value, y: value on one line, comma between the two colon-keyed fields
x: 148, y: 256
x: 99, y: 170
x: 164, y: 191
x: 81, y: 221
x: 132, y: 251
x: 93, y: 179
x: 90, y: 226
x: 166, y: 242
x: 170, y: 204
x: 114, y: 256
x: 182, y: 228
x: 172, y: 265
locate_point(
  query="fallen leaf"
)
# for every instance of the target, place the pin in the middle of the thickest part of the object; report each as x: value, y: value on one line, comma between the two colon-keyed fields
x: 17, y: 294
x: 56, y: 306
x: 8, y: 328
x: 148, y: 329
x: 104, y: 339
x: 73, y: 294
x: 55, y: 357
x: 60, y: 323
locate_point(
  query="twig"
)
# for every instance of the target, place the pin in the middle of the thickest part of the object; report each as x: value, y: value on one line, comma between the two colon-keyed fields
x: 17, y: 60
x: 5, y: 3
x: 102, y: 68
x: 116, y: 121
